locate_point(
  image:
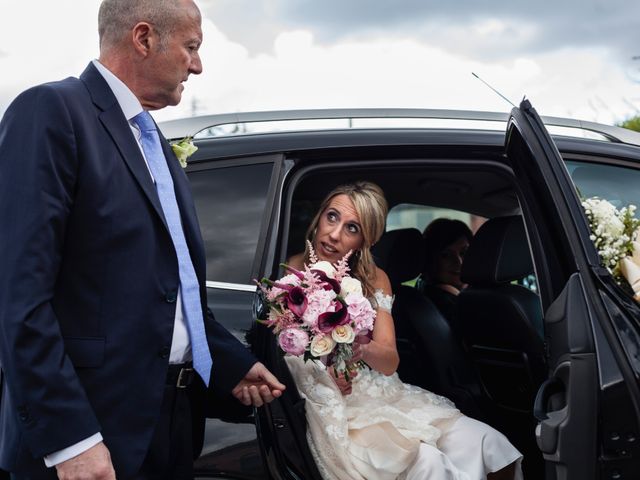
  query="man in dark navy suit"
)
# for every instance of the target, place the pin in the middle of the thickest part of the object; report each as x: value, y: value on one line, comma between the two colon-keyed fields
x: 106, y: 342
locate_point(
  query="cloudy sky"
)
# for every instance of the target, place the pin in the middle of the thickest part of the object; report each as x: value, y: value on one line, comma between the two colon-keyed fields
x: 571, y: 58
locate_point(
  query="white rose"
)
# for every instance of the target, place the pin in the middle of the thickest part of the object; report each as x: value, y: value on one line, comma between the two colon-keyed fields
x: 614, y: 227
x: 321, y: 345
x: 326, y: 267
x: 350, y: 285
x: 606, y: 216
x: 343, y: 334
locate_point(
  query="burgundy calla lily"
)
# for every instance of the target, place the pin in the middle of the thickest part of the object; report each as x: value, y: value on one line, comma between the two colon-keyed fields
x: 297, y: 273
x: 283, y: 286
x: 329, y: 283
x: 297, y: 301
x: 329, y: 320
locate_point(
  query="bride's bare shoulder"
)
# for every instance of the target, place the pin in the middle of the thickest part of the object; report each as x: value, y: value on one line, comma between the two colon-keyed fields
x: 296, y: 261
x: 381, y: 281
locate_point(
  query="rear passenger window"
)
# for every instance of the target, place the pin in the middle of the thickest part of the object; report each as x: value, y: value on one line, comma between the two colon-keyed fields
x: 615, y: 183
x: 230, y: 203
x: 406, y: 215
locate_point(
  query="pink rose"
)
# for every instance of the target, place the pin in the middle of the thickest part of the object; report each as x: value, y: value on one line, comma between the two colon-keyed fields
x: 293, y: 341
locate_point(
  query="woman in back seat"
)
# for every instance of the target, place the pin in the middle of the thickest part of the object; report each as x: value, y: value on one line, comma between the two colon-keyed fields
x: 446, y: 242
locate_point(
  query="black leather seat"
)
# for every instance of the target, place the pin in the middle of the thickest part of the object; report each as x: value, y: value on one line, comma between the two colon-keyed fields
x: 430, y: 354
x: 499, y: 321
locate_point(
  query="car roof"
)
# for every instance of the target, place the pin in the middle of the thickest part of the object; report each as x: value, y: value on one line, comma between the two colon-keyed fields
x: 248, y: 123
x: 452, y: 137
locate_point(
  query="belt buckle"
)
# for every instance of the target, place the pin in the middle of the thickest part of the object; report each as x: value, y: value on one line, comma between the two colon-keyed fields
x: 184, y: 377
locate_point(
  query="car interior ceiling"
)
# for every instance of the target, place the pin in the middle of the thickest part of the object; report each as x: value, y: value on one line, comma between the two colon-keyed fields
x: 421, y: 331
x: 481, y: 191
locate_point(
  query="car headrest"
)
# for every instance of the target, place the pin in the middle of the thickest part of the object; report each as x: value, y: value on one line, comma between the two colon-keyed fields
x: 499, y: 253
x: 400, y: 254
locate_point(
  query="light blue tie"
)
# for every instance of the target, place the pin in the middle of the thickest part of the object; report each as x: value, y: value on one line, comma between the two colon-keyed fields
x: 189, y: 288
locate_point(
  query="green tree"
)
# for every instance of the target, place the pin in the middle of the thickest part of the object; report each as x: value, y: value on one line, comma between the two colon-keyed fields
x: 632, y: 123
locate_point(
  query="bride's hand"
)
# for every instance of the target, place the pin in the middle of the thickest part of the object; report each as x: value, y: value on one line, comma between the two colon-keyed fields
x: 341, y: 381
x: 358, y: 347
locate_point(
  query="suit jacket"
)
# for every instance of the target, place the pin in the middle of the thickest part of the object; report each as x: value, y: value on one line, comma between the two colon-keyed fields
x: 88, y: 279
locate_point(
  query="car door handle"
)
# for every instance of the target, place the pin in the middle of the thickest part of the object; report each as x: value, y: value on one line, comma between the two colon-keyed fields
x: 548, y: 421
x: 550, y: 387
x: 259, y: 305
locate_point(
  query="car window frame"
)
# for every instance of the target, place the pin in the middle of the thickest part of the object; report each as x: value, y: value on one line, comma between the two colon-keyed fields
x: 276, y: 160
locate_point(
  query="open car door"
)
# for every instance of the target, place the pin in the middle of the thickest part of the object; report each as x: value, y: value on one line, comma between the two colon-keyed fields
x: 588, y: 410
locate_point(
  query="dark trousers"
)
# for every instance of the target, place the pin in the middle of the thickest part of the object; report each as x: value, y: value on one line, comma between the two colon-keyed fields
x: 170, y: 454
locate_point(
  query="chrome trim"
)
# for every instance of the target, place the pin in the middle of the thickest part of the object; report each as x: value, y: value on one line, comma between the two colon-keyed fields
x: 231, y: 286
x: 192, y: 125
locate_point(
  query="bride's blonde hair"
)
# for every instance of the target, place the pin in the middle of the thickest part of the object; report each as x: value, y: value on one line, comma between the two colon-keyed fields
x: 371, y: 207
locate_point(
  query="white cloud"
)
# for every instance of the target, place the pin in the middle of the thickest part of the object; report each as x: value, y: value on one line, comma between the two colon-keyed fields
x: 491, y: 26
x: 401, y: 73
x: 44, y: 40
x: 301, y: 72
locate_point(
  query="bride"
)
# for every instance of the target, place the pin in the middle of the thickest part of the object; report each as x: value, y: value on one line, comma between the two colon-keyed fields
x: 375, y: 426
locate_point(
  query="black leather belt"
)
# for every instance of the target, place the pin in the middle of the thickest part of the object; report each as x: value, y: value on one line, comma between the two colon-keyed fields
x: 180, y: 375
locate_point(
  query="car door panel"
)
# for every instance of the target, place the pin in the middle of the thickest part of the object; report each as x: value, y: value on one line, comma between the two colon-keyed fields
x: 566, y: 403
x: 573, y: 403
x: 620, y: 435
x: 233, y: 197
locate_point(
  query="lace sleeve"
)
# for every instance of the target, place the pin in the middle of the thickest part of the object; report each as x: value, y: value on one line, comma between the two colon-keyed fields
x: 383, y: 301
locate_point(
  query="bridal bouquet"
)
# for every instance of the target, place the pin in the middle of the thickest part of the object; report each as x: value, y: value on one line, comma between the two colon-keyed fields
x: 615, y: 234
x: 318, y: 312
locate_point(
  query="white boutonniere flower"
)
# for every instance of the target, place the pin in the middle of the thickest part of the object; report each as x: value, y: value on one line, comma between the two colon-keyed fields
x: 183, y: 149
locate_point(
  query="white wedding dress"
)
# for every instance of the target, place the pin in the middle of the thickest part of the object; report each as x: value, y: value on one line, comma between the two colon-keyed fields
x: 386, y: 430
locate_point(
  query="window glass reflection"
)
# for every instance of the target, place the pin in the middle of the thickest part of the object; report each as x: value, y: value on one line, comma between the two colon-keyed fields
x: 230, y: 203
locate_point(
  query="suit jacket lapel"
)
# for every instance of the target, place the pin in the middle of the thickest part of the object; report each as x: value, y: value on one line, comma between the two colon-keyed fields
x: 116, y: 124
x: 187, y: 208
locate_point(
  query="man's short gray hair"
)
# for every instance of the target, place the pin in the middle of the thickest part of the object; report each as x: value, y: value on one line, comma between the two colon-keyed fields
x: 116, y: 18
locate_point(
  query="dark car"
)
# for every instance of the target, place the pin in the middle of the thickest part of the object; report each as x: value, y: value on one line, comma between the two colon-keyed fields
x: 546, y: 347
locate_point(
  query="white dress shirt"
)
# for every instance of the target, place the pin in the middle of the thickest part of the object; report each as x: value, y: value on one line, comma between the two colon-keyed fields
x: 180, y: 348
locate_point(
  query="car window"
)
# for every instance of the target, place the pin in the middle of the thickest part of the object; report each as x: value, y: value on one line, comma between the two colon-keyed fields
x: 419, y: 216
x: 615, y: 183
x: 230, y: 203
x: 406, y: 215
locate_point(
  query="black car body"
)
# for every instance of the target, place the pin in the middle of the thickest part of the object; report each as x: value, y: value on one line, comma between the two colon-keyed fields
x: 570, y: 399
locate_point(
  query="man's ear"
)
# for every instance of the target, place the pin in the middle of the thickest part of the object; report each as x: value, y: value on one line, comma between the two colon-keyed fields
x: 143, y: 37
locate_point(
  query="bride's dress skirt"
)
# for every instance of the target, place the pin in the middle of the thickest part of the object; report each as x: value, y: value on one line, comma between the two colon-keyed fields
x: 386, y: 429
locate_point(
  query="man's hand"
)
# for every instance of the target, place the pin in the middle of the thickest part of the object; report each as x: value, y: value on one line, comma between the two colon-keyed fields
x: 258, y: 387
x: 92, y: 464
